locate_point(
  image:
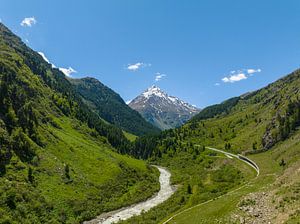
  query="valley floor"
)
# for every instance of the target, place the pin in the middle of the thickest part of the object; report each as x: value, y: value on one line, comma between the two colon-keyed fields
x: 271, y: 197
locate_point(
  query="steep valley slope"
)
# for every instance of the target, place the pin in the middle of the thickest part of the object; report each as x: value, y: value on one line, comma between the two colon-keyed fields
x: 58, y: 159
x: 111, y: 107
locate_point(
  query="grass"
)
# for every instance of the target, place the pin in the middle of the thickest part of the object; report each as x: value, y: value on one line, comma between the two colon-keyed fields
x: 237, y: 128
x: 221, y: 209
x: 99, y: 179
x: 89, y: 161
x: 216, y: 211
x: 129, y: 136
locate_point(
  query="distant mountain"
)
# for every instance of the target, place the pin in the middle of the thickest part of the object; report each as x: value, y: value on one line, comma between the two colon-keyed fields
x: 111, y: 107
x: 162, y: 110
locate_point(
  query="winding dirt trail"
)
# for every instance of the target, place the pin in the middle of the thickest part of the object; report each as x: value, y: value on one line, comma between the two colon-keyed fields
x: 165, y: 192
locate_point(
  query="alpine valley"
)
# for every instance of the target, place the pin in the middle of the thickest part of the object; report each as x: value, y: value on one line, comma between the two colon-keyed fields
x: 72, y: 151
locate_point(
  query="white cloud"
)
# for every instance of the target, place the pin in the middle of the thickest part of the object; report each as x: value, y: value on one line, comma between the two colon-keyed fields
x: 159, y: 76
x: 252, y: 71
x: 137, y: 66
x: 217, y: 84
x: 28, y: 22
x: 234, y: 78
x: 128, y: 102
x: 46, y: 59
x: 44, y: 56
x: 68, y: 71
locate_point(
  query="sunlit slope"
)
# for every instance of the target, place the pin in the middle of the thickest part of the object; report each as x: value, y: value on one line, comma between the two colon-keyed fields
x: 271, y: 197
x: 57, y: 160
x: 255, y: 121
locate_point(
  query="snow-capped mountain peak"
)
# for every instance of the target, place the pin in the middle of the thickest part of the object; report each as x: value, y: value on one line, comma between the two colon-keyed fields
x: 154, y: 91
x: 162, y: 110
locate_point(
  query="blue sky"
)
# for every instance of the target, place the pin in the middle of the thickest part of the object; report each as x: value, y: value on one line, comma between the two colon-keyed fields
x: 201, y: 51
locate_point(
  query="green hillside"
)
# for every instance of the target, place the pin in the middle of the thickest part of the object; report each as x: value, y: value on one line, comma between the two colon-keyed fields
x: 111, y: 107
x: 257, y: 122
x: 273, y: 197
x: 58, y: 163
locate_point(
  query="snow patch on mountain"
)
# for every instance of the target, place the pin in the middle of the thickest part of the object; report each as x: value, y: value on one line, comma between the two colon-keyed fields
x: 162, y: 110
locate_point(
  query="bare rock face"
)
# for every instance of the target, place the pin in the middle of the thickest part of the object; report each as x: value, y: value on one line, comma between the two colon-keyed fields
x: 267, y: 140
x: 162, y: 110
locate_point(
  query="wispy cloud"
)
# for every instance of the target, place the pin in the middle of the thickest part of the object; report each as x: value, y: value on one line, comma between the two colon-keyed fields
x: 159, y: 76
x: 28, y: 22
x: 68, y: 71
x: 242, y: 74
x: 46, y: 59
x: 137, y: 66
x: 217, y: 84
x: 251, y: 71
x: 44, y: 56
x: 234, y: 78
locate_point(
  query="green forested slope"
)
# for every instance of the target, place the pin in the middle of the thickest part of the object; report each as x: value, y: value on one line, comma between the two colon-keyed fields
x: 217, y: 109
x: 111, y: 107
x: 257, y: 122
x: 65, y: 97
x: 57, y: 161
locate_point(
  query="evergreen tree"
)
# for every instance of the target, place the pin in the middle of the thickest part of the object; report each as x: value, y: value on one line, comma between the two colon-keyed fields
x: 189, y: 189
x: 30, y: 175
x: 67, y: 172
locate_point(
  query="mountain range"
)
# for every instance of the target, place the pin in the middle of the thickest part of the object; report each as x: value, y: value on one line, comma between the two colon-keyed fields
x: 162, y: 110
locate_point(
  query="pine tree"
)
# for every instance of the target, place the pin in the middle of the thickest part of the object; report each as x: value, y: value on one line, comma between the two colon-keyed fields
x: 67, y: 172
x: 189, y: 189
x: 30, y: 175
